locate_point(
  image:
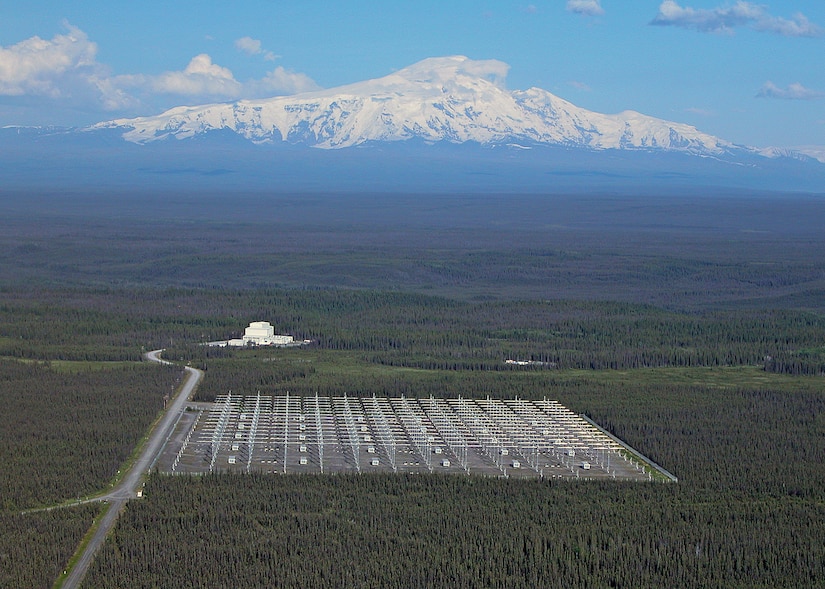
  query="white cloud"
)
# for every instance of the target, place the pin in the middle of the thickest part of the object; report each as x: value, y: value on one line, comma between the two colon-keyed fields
x: 799, y: 26
x: 252, y: 46
x: 725, y: 19
x: 706, y: 20
x: 39, y: 67
x: 702, y: 112
x: 64, y: 72
x: 794, y: 91
x: 492, y: 69
x: 282, y: 81
x: 200, y: 78
x: 579, y: 85
x: 205, y: 79
x: 248, y: 45
x: 113, y: 96
x: 585, y: 7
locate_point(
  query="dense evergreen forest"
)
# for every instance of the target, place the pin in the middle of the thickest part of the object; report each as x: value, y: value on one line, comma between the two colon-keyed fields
x: 695, y: 250
x: 690, y: 327
x: 409, y: 330
x: 451, y: 531
x: 747, y: 512
x: 698, y: 392
x: 36, y: 547
x: 65, y: 431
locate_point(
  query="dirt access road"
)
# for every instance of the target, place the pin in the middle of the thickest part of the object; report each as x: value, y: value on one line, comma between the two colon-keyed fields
x: 131, y: 481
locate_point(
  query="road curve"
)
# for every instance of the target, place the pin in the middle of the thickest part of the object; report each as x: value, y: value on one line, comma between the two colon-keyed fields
x: 131, y: 481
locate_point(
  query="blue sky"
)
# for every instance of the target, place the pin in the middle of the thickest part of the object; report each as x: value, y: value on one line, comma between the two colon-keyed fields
x: 748, y: 72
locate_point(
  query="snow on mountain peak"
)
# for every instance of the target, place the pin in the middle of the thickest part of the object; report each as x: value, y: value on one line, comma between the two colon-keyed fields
x: 444, y: 70
x: 454, y: 99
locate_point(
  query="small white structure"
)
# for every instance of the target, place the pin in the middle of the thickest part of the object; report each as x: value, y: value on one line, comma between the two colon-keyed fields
x: 445, y: 463
x: 586, y: 465
x: 375, y: 462
x: 231, y: 460
x: 303, y: 460
x: 516, y: 464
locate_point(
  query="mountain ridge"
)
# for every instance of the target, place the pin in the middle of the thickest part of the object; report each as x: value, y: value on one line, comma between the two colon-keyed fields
x: 441, y: 125
x: 453, y: 99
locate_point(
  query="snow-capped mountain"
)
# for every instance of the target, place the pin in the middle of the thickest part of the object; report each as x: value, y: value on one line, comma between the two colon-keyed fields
x: 446, y: 99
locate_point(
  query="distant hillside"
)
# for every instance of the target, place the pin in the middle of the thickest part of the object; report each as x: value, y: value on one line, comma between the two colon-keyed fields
x: 66, y: 160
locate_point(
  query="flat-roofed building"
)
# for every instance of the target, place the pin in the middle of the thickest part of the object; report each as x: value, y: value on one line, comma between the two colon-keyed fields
x: 261, y: 333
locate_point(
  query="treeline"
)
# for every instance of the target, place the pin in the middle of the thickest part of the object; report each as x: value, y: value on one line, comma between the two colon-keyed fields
x: 742, y: 442
x: 430, y: 333
x: 255, y: 373
x: 801, y: 362
x: 398, y: 329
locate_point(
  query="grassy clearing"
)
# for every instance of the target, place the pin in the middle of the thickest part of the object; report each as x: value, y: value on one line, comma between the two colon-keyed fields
x: 76, y: 367
x: 352, y: 366
x: 717, y: 377
x: 72, y: 366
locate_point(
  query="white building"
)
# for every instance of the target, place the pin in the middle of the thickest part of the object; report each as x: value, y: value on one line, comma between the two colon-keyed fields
x: 261, y: 333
